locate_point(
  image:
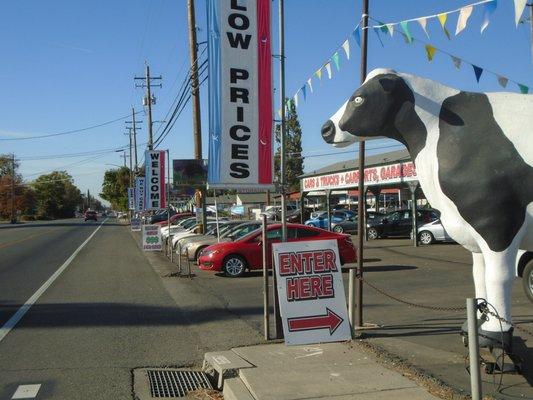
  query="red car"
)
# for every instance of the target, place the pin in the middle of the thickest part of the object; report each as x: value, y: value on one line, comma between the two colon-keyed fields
x: 174, y: 218
x: 234, y: 258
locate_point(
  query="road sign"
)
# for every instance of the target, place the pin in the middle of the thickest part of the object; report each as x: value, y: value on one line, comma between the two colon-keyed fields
x: 136, y: 224
x: 152, y: 238
x: 311, y: 292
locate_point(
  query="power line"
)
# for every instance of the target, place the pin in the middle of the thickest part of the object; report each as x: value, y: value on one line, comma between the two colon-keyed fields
x: 68, y: 132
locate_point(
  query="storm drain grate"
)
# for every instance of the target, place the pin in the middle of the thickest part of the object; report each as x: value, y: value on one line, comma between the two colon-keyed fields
x: 172, y: 383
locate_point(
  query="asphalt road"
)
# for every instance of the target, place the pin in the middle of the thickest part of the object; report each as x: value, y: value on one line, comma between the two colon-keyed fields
x: 106, y: 314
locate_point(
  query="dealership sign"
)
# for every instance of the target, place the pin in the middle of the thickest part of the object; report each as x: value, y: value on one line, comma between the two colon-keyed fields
x: 240, y: 94
x: 152, y: 238
x: 155, y: 179
x: 131, y: 198
x: 136, y: 224
x: 381, y: 176
x: 311, y: 292
x: 139, y: 194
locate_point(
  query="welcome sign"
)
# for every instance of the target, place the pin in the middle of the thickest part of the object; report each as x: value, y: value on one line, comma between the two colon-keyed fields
x: 155, y: 179
x: 240, y: 94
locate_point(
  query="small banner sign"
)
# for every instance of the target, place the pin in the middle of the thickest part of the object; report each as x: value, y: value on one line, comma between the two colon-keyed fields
x: 152, y: 238
x: 131, y: 198
x: 139, y: 194
x: 155, y: 179
x: 136, y: 224
x: 240, y: 94
x: 311, y: 292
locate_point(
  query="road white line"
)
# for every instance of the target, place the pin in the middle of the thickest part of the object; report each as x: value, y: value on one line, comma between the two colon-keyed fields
x: 14, y: 320
x: 26, y: 392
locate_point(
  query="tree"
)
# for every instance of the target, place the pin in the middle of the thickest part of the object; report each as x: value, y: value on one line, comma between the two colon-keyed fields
x: 294, y: 166
x: 115, y: 188
x: 24, y: 200
x: 6, y: 163
x: 55, y: 195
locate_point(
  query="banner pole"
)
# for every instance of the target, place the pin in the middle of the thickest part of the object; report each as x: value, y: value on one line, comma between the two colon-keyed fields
x: 266, y: 306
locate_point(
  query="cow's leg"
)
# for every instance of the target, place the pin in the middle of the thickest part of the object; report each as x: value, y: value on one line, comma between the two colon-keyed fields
x: 499, y: 276
x: 478, y: 270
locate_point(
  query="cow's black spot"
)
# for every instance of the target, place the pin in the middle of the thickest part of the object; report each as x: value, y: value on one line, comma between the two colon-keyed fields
x: 481, y: 171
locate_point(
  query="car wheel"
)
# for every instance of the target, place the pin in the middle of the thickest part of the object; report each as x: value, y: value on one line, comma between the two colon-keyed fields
x: 527, y: 280
x: 234, y: 266
x: 197, y: 255
x: 338, y: 229
x: 372, y: 233
x: 426, y: 237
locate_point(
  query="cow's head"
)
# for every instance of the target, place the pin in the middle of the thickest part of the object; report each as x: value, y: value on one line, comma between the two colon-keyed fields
x: 371, y: 111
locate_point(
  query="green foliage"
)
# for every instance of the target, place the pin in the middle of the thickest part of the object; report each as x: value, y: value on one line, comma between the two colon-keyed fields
x: 6, y: 163
x: 55, y: 196
x: 115, y: 188
x: 294, y: 166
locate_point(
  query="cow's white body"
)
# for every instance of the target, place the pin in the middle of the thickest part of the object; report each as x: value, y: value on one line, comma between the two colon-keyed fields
x: 493, y: 271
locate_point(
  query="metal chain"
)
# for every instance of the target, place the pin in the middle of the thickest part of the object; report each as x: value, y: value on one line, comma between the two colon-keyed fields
x: 485, y: 310
x: 435, y: 308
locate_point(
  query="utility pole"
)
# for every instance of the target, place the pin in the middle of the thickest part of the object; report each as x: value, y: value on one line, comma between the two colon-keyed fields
x: 133, y: 129
x: 195, y: 93
x: 131, y: 157
x: 531, y: 24
x: 149, y: 100
x: 282, y: 170
x: 13, y: 214
x: 357, y: 319
x: 88, y: 200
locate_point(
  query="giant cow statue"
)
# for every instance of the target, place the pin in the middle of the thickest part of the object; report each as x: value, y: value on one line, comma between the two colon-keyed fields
x: 474, y: 158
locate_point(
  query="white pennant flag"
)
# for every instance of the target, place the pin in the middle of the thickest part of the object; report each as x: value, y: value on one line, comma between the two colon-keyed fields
x: 464, y: 14
x: 346, y: 48
x: 328, y: 68
x: 390, y: 28
x: 423, y: 23
x: 296, y: 99
x: 519, y: 6
x: 310, y: 83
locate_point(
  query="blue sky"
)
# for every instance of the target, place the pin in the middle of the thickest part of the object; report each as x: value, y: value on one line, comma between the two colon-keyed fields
x: 70, y: 64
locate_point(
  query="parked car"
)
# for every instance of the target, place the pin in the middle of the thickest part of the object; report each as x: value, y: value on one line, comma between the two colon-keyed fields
x: 192, y: 247
x: 273, y: 213
x: 90, y: 216
x: 398, y: 223
x: 183, y: 224
x: 174, y: 218
x: 234, y: 258
x: 193, y: 231
x: 433, y: 232
x: 160, y: 217
x: 321, y: 219
x: 524, y: 270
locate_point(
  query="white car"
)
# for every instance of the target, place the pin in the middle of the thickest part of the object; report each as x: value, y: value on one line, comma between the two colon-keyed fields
x: 433, y: 232
x: 193, y: 231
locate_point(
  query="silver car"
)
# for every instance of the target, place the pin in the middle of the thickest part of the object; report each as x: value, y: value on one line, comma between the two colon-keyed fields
x: 433, y: 232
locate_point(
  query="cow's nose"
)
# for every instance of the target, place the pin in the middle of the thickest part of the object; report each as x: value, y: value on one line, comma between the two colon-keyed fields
x: 328, y: 131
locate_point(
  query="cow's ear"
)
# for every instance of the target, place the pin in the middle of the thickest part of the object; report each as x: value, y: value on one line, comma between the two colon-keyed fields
x: 388, y: 84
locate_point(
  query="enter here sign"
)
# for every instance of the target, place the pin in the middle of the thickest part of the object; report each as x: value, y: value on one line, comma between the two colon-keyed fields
x: 311, y: 292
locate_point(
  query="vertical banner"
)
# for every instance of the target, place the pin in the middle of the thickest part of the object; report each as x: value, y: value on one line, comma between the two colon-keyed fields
x: 139, y: 194
x: 155, y: 179
x: 240, y: 94
x: 131, y: 198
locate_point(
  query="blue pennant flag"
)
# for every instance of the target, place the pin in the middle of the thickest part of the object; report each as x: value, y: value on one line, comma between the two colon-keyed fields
x: 303, y: 89
x: 357, y: 36
x: 477, y: 71
x: 488, y: 11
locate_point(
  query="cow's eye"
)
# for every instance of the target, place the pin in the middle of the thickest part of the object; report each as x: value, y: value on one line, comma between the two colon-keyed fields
x: 358, y: 100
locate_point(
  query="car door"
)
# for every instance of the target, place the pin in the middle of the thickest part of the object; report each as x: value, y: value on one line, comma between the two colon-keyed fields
x: 405, y: 224
x: 389, y: 224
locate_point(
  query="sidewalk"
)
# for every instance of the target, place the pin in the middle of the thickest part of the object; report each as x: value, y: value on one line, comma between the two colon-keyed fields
x: 339, y: 371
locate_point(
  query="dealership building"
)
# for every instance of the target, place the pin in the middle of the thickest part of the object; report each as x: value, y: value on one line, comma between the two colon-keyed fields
x: 390, y: 183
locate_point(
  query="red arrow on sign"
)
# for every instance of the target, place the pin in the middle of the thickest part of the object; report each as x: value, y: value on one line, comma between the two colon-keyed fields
x: 330, y: 320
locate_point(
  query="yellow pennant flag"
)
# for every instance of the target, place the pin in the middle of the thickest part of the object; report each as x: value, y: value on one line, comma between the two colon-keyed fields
x: 442, y: 19
x: 430, y: 51
x: 318, y: 73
